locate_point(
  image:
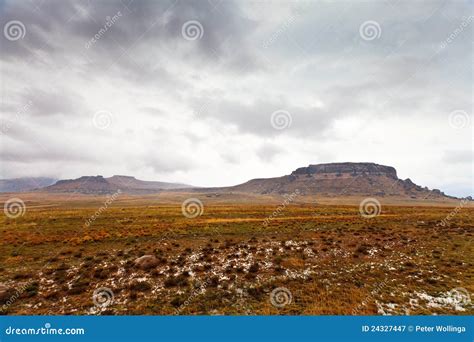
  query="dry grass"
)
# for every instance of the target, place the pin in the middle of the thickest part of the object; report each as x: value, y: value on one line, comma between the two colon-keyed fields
x: 226, y: 261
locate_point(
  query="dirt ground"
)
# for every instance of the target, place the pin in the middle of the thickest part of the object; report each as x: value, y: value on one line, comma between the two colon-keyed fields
x: 78, y: 255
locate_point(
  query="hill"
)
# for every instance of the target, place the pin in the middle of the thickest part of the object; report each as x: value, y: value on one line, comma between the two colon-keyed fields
x: 340, y: 179
x: 324, y: 180
x: 101, y: 185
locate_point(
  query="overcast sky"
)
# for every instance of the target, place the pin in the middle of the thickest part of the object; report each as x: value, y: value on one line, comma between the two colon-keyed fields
x: 215, y: 93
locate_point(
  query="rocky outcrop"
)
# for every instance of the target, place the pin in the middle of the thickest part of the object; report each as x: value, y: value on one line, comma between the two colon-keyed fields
x: 340, y: 179
x: 85, y: 185
x: 146, y: 262
x: 353, y: 169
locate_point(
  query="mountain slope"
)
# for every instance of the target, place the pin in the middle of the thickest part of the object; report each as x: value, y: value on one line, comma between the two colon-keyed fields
x: 339, y: 179
x: 128, y: 182
x: 101, y: 185
x: 331, y: 180
x: 85, y: 184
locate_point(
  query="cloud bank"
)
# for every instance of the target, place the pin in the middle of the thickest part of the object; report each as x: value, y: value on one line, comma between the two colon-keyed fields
x: 217, y: 92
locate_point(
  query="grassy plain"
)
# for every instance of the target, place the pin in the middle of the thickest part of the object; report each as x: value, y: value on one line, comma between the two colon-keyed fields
x: 226, y: 261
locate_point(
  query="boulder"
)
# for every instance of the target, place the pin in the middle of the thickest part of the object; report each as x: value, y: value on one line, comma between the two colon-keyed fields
x: 146, y: 262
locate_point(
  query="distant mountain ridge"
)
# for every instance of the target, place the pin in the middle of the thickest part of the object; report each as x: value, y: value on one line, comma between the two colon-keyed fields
x: 25, y: 184
x: 331, y: 180
x: 101, y: 185
x: 340, y: 179
x: 129, y: 182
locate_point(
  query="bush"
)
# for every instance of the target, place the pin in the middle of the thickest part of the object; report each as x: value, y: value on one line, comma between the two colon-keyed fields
x: 213, y: 282
x: 254, y: 268
x: 140, y: 286
x: 178, y: 301
x: 32, y: 289
x: 101, y: 273
x: 180, y: 280
x: 79, y: 286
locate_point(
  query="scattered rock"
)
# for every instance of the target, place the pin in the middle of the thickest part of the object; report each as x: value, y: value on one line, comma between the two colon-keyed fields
x: 146, y: 262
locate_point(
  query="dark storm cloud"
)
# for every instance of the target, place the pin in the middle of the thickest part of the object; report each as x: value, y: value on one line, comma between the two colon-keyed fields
x: 66, y: 27
x: 180, y: 105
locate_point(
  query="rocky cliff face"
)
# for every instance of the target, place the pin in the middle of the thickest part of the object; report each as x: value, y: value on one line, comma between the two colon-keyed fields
x: 353, y: 169
x: 85, y: 185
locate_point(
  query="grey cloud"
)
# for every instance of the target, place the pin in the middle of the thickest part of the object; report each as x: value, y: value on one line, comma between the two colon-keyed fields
x: 268, y: 151
x: 52, y: 102
x: 459, y: 157
x: 56, y: 29
x: 35, y: 151
x: 256, y: 117
x: 225, y: 86
x: 163, y: 162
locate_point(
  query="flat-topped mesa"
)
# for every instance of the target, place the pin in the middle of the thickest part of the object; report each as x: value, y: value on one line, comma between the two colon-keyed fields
x: 353, y: 169
x: 122, y: 177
